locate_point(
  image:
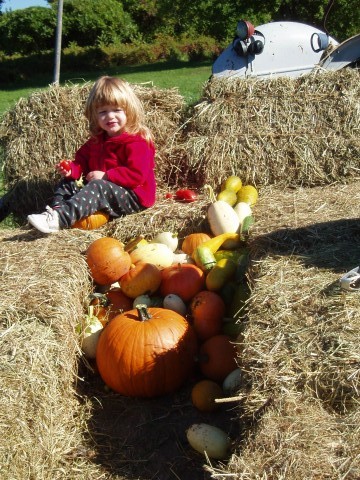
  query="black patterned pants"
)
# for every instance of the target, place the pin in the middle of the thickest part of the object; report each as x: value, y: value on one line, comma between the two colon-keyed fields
x: 74, y: 203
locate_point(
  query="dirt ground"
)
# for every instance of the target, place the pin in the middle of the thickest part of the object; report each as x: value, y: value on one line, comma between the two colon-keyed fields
x: 146, y: 438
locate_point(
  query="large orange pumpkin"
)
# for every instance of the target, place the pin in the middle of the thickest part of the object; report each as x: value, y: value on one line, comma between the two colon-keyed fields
x: 96, y: 220
x: 207, y: 310
x: 143, y: 278
x: 107, y: 260
x: 146, y: 352
x: 217, y: 357
x: 192, y: 241
x: 184, y: 280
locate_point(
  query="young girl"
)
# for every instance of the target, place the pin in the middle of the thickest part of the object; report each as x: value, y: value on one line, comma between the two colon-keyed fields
x: 116, y: 163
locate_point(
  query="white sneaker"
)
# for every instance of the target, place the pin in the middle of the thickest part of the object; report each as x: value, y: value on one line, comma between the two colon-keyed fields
x: 351, y: 280
x: 46, y: 222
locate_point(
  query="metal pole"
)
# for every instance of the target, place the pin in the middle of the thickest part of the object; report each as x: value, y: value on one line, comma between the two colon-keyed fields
x: 58, y: 42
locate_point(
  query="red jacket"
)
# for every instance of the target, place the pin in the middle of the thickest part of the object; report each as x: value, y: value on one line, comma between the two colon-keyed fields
x: 127, y: 159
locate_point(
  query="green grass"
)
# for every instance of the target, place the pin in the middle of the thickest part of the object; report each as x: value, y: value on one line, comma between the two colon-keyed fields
x: 188, y: 77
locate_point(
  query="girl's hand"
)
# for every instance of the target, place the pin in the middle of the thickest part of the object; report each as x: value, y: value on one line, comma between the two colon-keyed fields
x: 95, y: 175
x: 64, y: 168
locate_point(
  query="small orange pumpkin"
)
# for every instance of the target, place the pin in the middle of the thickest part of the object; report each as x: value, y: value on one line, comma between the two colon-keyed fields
x: 207, y: 310
x: 107, y: 260
x: 192, y: 241
x: 143, y: 278
x: 217, y: 357
x: 184, y: 280
x: 204, y: 393
x: 91, y: 222
x: 146, y: 352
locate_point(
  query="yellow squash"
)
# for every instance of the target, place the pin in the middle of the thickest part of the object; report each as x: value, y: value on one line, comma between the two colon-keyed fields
x: 220, y: 274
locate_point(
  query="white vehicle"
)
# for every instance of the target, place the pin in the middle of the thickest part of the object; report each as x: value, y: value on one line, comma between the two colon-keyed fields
x: 344, y: 55
x: 283, y: 49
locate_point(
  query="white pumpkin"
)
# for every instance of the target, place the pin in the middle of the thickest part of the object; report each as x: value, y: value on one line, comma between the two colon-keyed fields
x: 208, y: 439
x: 155, y: 253
x: 175, y: 303
x: 167, y: 238
x: 232, y: 382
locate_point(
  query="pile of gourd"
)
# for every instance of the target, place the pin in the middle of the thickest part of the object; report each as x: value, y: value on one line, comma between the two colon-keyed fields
x: 160, y: 311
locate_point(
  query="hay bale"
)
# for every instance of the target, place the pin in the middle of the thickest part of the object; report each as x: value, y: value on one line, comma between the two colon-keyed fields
x: 50, y: 125
x: 282, y: 131
x: 36, y: 133
x: 43, y: 422
x: 300, y: 348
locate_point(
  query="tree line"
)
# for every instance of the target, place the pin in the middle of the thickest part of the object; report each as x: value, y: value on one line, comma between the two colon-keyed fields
x: 114, y: 22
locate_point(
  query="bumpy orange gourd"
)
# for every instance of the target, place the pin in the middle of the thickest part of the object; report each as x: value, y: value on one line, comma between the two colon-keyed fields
x: 96, y: 220
x: 192, y: 241
x: 207, y: 310
x: 146, y: 352
x: 107, y: 260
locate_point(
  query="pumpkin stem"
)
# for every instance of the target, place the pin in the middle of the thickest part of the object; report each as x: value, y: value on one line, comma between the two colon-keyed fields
x: 143, y: 312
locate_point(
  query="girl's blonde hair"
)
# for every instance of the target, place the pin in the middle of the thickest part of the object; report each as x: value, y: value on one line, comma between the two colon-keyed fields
x: 115, y: 91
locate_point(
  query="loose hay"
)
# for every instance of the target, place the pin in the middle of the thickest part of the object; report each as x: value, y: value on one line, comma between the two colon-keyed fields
x: 50, y: 125
x: 283, y: 131
x: 285, y: 447
x: 166, y: 215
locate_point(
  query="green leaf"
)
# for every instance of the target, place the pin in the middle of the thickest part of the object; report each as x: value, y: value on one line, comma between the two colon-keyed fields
x: 246, y: 224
